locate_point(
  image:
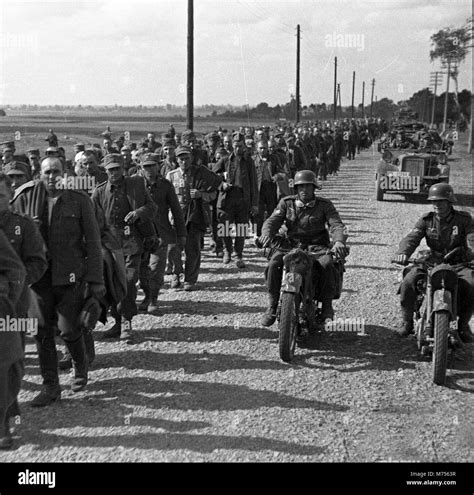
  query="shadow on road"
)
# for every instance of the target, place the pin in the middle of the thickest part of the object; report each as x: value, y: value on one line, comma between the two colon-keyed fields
x: 381, y: 349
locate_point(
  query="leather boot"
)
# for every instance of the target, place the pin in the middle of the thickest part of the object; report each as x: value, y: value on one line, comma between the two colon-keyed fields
x: 48, y: 361
x: 269, y: 317
x: 126, y: 333
x: 6, y: 440
x: 65, y: 363
x: 406, y: 328
x: 114, y: 332
x: 90, y: 347
x: 327, y: 311
x: 77, y: 350
x: 143, y: 306
x: 153, y: 308
x: 47, y: 396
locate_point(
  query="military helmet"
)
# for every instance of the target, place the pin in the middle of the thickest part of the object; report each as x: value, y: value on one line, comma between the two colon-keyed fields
x: 441, y: 191
x: 305, y: 177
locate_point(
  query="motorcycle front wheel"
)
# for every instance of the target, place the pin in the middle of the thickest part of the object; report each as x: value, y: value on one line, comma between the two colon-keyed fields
x: 440, y: 347
x: 288, y: 325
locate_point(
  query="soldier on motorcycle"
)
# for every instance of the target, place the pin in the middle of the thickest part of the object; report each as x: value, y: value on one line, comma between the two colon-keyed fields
x: 305, y: 217
x: 444, y: 229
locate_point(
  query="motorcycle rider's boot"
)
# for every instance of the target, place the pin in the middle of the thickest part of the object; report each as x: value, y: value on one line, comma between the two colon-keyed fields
x: 464, y: 332
x: 406, y: 328
x: 269, y: 317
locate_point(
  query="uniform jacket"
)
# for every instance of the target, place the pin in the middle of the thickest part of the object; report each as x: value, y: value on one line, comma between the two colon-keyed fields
x: 296, y: 160
x: 28, y: 244
x: 307, y: 223
x: 12, y: 278
x: 164, y: 195
x: 272, y: 162
x: 248, y: 177
x: 205, y: 181
x: 139, y: 200
x: 441, y: 236
x: 72, y: 237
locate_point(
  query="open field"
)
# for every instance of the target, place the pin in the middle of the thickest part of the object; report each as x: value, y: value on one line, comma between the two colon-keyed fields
x: 74, y: 128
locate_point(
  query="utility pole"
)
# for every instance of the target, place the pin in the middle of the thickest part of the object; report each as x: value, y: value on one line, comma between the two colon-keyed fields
x: 297, y: 74
x: 335, y: 87
x: 339, y: 96
x: 445, y: 117
x: 372, y: 97
x: 190, y: 72
x: 353, y: 87
x: 363, y: 98
x: 434, y: 81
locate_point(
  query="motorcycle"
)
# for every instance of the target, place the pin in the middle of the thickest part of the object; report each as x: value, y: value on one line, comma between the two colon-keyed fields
x: 299, y: 311
x: 435, y: 315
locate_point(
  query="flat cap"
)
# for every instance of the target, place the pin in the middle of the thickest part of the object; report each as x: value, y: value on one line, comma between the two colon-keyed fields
x: 33, y: 151
x: 8, y: 148
x: 169, y: 142
x: 15, y: 168
x: 150, y: 159
x: 183, y: 150
x: 188, y: 135
x: 237, y: 137
x: 113, y: 160
x: 212, y: 136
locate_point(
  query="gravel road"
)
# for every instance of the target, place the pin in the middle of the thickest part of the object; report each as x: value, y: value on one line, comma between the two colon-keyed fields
x: 205, y: 382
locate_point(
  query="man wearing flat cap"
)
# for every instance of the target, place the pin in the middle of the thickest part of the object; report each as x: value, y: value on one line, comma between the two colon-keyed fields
x: 34, y: 160
x: 8, y: 152
x: 18, y: 173
x: 294, y: 154
x: 238, y: 197
x: 70, y: 231
x: 194, y: 185
x: 129, y: 212
x: 199, y: 157
x: 153, y: 264
x: 152, y: 145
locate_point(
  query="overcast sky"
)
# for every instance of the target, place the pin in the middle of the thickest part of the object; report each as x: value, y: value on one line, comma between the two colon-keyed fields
x: 131, y: 52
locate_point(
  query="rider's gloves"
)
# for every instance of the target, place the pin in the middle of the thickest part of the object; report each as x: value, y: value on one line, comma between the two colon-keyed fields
x: 401, y: 258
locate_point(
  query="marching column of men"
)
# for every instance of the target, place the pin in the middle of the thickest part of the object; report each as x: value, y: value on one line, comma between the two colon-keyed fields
x: 140, y: 210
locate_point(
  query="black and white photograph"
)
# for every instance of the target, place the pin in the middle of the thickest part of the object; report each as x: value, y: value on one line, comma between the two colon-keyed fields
x: 237, y: 232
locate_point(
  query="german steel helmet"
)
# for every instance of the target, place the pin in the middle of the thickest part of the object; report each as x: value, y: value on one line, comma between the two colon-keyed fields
x: 441, y: 191
x: 305, y: 177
